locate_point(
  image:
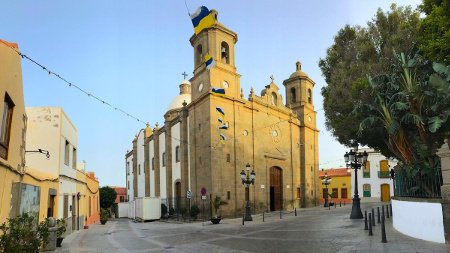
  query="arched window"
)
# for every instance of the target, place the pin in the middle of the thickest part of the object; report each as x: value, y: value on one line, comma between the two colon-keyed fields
x: 199, y: 55
x: 274, y: 98
x: 177, y: 154
x: 293, y: 95
x: 309, y: 96
x: 366, y: 171
x: 366, y: 190
x: 225, y: 52
x: 163, y: 159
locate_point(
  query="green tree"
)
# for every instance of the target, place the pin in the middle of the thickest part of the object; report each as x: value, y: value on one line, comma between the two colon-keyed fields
x: 356, y: 54
x: 107, y: 197
x: 435, y: 30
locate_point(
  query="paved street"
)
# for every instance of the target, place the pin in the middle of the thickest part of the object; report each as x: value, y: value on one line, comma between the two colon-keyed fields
x: 313, y: 230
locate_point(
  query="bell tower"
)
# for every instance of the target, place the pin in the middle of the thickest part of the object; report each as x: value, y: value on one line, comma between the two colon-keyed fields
x: 218, y: 42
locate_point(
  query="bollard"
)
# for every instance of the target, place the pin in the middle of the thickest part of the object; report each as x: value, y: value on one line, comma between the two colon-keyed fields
x: 383, y: 232
x: 280, y: 215
x: 243, y: 220
x: 373, y: 217
x: 390, y: 208
x: 387, y: 212
x: 378, y: 213
x: 382, y: 213
x: 263, y: 216
x: 335, y: 205
x: 295, y: 211
x: 344, y: 203
x: 365, y: 220
x: 340, y: 203
x: 370, y: 224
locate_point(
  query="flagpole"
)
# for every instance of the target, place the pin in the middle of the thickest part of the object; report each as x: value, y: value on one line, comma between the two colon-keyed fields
x: 187, y: 8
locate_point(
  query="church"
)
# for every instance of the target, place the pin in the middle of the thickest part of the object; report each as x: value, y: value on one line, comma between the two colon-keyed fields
x: 212, y: 132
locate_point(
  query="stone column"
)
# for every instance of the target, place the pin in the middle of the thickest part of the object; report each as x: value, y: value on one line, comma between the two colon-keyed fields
x: 184, y: 158
x: 135, y: 172
x: 147, y: 166
x: 444, y: 154
x: 168, y: 144
x: 157, y: 163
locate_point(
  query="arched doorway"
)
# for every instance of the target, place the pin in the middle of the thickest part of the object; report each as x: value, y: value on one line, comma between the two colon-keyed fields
x: 276, y: 188
x: 385, y: 192
x: 177, y: 195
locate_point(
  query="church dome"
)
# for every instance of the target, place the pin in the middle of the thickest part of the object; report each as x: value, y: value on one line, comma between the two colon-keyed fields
x: 185, y: 95
x: 298, y: 72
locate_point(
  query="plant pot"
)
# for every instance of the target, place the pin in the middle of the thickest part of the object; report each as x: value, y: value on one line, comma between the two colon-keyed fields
x: 215, y: 220
x: 103, y: 222
x: 59, y: 241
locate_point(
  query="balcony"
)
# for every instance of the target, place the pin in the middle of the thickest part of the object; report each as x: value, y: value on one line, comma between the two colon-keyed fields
x: 366, y: 174
x: 384, y: 174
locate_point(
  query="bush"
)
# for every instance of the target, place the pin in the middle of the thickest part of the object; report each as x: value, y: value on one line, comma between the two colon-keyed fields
x: 183, y: 212
x: 163, y: 210
x: 23, y: 234
x: 171, y: 211
x: 104, y: 215
x: 195, y: 211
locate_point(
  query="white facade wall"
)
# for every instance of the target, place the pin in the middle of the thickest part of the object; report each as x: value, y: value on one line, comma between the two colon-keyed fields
x: 140, y: 164
x: 129, y: 167
x: 151, y: 156
x: 374, y: 181
x: 176, y: 166
x: 162, y: 176
x: 189, y: 155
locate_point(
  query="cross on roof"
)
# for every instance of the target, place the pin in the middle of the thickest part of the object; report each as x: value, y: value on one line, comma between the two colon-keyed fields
x: 184, y: 75
x: 272, y: 78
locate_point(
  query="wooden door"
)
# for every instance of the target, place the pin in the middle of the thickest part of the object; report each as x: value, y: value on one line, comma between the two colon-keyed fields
x: 385, y: 192
x: 177, y: 195
x: 343, y: 193
x: 276, y: 189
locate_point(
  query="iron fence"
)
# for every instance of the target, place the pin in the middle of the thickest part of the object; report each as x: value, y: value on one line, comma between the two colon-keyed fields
x: 420, y: 185
x: 184, y: 209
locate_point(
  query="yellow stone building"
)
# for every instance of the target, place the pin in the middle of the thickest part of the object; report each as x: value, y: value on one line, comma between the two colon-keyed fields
x: 339, y: 189
x: 211, y: 132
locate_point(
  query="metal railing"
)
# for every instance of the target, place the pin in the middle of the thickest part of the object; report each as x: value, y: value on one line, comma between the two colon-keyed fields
x: 384, y: 174
x: 420, y: 185
x: 366, y: 174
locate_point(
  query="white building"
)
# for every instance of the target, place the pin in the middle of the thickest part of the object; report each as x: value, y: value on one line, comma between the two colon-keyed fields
x: 374, y: 181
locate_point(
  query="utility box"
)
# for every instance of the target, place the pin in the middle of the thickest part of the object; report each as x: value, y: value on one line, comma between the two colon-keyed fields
x: 122, y: 209
x: 147, y: 208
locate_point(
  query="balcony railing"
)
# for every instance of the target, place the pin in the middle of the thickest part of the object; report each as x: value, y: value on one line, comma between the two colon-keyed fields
x: 366, y: 174
x: 384, y: 174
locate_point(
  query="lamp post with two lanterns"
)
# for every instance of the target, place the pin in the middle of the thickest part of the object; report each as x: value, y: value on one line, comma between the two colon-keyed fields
x: 248, y: 179
x: 356, y: 161
x: 326, y: 181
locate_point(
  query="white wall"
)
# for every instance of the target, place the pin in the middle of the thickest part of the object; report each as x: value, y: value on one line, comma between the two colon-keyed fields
x: 69, y: 133
x: 420, y: 220
x: 140, y: 163
x: 130, y: 191
x: 176, y: 166
x: 162, y: 176
x: 151, y: 150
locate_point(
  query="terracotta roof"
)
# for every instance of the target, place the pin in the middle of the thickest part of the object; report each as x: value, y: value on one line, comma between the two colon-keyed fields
x: 337, y: 172
x: 120, y: 190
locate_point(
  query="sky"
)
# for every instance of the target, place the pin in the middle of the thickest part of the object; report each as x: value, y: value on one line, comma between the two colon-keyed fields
x: 132, y: 54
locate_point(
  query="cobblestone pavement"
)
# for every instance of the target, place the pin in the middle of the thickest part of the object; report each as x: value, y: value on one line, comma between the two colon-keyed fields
x: 312, y: 230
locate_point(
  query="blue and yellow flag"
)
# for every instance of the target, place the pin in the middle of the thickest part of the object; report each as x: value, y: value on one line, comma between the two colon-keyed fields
x: 218, y: 91
x: 201, y: 19
x: 223, y: 138
x: 224, y: 126
x: 220, y: 110
x: 209, y: 61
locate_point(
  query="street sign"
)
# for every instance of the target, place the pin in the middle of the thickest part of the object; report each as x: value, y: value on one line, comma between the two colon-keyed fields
x: 203, y: 197
x: 189, y: 194
x: 203, y: 191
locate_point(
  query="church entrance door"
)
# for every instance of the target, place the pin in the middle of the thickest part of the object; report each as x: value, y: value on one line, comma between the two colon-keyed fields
x: 177, y: 195
x: 276, y: 190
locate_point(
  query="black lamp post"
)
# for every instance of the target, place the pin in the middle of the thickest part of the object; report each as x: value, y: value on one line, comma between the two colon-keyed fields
x: 356, y: 161
x: 326, y: 181
x: 248, y: 179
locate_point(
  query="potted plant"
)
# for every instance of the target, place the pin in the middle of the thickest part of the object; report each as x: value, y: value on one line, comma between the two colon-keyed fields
x: 217, y: 203
x: 104, y: 214
x: 194, y: 211
x: 60, y: 230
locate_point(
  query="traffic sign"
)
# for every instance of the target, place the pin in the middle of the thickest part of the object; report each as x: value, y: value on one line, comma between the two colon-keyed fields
x: 203, y: 191
x: 189, y: 194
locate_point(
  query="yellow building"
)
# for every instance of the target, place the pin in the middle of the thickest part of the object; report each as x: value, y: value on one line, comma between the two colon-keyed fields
x: 339, y: 187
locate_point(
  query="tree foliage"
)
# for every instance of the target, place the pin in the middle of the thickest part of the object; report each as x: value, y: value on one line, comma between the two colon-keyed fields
x: 107, y: 196
x: 356, y: 54
x: 435, y: 30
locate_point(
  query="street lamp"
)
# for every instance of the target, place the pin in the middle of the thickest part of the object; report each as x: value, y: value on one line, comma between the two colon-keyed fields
x: 326, y: 181
x: 356, y: 161
x: 247, y: 179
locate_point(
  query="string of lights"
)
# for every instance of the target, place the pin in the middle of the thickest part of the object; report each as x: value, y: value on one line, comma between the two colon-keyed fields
x: 70, y: 84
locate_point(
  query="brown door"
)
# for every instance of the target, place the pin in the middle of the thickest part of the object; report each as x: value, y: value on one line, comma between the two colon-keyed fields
x: 177, y: 195
x: 74, y: 214
x: 276, y: 193
x: 343, y: 193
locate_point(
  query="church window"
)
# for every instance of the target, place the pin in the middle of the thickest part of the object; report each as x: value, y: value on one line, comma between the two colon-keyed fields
x: 153, y: 163
x: 199, y: 55
x: 245, y: 132
x: 274, y: 98
x: 309, y: 96
x: 225, y: 84
x: 5, y: 127
x: 293, y: 95
x: 298, y: 192
x: 366, y: 190
x: 177, y: 153
x: 228, y: 157
x: 164, y: 159
x: 225, y: 52
x: 228, y: 195
x: 139, y: 169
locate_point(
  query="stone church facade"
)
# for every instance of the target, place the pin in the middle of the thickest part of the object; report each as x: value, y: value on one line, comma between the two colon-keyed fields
x: 209, y: 137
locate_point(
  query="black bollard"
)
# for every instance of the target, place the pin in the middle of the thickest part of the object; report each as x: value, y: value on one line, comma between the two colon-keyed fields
x: 263, y: 216
x: 243, y: 220
x: 390, y: 208
x: 295, y: 211
x: 382, y: 213
x: 335, y: 205
x: 340, y: 203
x: 378, y: 214
x: 280, y: 214
x: 344, y: 203
x: 373, y: 217
x: 387, y: 212
x: 365, y: 220
x: 383, y: 232
x: 370, y: 224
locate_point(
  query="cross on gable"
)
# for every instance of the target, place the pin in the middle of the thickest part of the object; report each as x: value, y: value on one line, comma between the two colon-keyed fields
x: 272, y: 78
x: 184, y: 75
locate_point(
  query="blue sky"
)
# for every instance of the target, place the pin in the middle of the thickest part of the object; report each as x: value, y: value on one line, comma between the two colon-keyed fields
x: 132, y: 54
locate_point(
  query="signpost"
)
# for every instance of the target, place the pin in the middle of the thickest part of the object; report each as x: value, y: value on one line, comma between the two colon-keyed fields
x: 203, y: 194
